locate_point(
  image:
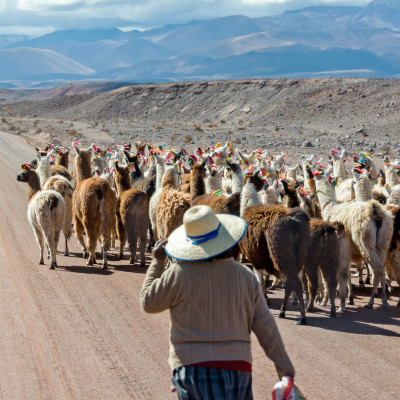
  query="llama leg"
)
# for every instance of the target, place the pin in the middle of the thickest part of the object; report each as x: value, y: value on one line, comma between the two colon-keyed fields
x: 66, y: 251
x: 51, y: 246
x: 260, y: 277
x: 343, y: 287
x: 56, y: 239
x: 132, y: 240
x: 142, y: 250
x: 79, y: 229
x: 330, y: 278
x: 92, y: 242
x: 288, y: 291
x: 350, y: 300
x: 298, y: 288
x: 361, y: 284
x: 312, y: 286
x: 378, y: 275
x: 121, y: 239
x: 368, y: 277
x: 40, y: 240
x: 106, y: 242
x: 275, y: 283
x: 151, y: 239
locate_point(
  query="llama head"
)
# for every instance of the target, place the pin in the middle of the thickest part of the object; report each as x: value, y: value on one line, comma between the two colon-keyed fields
x: 26, y: 173
x: 199, y: 170
x: 122, y: 174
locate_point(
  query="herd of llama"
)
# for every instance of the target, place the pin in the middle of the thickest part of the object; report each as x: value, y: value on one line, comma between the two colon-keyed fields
x: 308, y: 223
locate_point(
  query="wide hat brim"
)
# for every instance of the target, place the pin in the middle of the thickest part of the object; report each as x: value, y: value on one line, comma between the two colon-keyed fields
x: 231, y: 231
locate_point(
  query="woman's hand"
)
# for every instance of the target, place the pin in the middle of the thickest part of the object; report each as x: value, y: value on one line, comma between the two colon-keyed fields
x: 158, y: 249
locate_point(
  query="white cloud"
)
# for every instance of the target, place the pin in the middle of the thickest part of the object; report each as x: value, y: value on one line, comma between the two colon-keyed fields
x: 85, y: 14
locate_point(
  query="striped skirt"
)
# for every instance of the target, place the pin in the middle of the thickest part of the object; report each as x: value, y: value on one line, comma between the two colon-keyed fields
x: 203, y: 383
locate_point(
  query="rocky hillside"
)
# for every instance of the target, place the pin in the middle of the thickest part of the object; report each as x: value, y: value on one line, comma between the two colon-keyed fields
x: 281, y: 114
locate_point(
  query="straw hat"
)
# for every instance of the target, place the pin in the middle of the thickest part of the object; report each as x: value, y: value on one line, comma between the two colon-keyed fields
x: 204, y: 234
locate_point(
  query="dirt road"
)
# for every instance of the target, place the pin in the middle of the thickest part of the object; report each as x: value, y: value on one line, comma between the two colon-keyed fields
x: 78, y: 332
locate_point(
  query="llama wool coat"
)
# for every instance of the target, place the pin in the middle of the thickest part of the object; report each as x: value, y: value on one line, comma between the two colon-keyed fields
x: 214, y: 306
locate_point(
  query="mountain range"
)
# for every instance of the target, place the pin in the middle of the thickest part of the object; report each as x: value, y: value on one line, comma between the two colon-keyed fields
x: 311, y: 42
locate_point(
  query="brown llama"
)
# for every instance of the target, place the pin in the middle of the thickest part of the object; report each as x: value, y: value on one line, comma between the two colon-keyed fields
x: 171, y: 205
x: 93, y: 209
x: 277, y: 240
x: 132, y: 216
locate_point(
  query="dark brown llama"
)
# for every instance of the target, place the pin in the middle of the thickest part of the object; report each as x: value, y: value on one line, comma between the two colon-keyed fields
x: 277, y: 240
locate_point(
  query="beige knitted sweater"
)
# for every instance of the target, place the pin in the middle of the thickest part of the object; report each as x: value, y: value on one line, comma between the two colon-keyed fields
x: 214, y: 306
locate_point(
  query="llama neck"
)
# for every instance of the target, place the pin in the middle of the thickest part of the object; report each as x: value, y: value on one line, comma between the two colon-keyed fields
x: 237, y: 181
x: 326, y: 196
x: 34, y: 185
x: 339, y: 170
x: 373, y: 171
x: 170, y: 180
x: 121, y: 184
x: 83, y: 169
x: 63, y: 160
x: 363, y: 189
x: 44, y: 171
x: 213, y: 182
x: 291, y: 199
x: 197, y: 185
x: 248, y: 197
x: 160, y: 169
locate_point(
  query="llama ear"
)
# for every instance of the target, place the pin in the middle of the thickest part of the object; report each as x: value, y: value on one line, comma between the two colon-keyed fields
x: 39, y: 157
x: 48, y: 156
x: 78, y: 152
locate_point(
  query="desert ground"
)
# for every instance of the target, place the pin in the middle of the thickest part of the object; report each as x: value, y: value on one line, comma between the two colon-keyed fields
x: 78, y: 332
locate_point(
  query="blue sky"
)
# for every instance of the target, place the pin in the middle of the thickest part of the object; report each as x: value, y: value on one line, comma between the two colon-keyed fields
x: 37, y: 17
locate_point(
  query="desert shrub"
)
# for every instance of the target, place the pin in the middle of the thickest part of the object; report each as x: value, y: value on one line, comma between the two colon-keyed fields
x: 364, y: 133
x: 277, y: 128
x: 172, y: 138
x: 385, y: 148
x: 230, y: 132
x: 222, y: 121
x: 300, y: 132
x: 241, y: 128
x: 188, y: 138
x: 35, y: 122
x: 198, y: 128
x: 241, y: 122
x: 4, y: 120
x: 237, y: 141
x: 293, y: 143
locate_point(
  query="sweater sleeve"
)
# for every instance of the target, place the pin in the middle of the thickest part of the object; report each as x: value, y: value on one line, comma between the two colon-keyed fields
x: 266, y: 330
x: 161, y: 288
